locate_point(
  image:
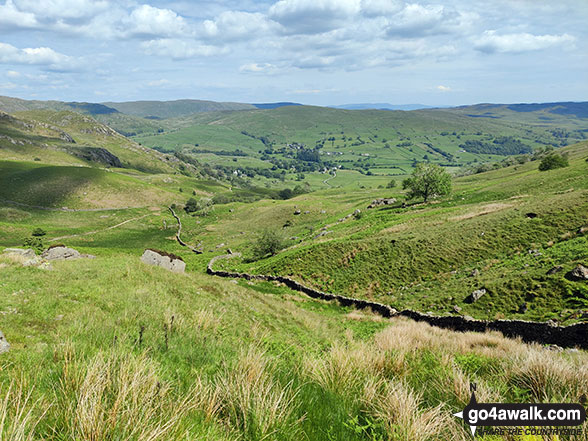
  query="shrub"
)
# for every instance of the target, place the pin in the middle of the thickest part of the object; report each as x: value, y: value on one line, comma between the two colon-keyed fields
x: 201, y: 206
x: 38, y: 232
x: 34, y: 242
x: 391, y: 184
x: 553, y: 161
x: 268, y: 242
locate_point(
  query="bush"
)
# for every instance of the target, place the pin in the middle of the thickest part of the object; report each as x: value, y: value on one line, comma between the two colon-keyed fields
x: 269, y: 242
x: 553, y: 161
x: 391, y: 184
x: 201, y: 207
x: 34, y: 242
x: 38, y: 232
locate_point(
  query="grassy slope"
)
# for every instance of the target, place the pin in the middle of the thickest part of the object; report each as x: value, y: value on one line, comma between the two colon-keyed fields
x: 372, y: 129
x: 422, y: 256
x: 130, y: 350
x: 170, y: 109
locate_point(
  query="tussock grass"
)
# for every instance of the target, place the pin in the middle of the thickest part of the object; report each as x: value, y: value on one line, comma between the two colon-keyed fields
x: 19, y: 414
x: 253, y: 402
x: 118, y: 396
x: 399, y: 408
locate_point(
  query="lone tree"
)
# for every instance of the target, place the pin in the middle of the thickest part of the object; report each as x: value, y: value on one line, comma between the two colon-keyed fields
x: 427, y: 181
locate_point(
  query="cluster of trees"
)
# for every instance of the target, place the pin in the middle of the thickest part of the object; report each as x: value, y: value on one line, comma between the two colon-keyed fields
x: 504, y: 145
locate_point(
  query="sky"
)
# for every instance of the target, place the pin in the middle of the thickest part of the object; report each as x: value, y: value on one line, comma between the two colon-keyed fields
x: 320, y: 52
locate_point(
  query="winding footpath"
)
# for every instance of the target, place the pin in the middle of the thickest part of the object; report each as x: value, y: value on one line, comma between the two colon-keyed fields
x: 99, y: 231
x: 538, y: 332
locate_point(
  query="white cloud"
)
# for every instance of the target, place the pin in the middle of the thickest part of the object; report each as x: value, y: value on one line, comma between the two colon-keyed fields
x: 61, y: 9
x: 147, y: 20
x: 12, y: 17
x: 159, y: 83
x: 265, y: 68
x: 313, y: 16
x: 236, y: 25
x: 490, y: 42
x: 415, y: 21
x: 39, y: 56
x: 442, y: 88
x: 179, y: 49
x: 377, y: 8
x: 13, y: 74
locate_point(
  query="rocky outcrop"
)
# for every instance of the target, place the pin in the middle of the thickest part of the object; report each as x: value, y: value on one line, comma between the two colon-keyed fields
x: 476, y: 295
x: 61, y: 252
x: 540, y: 332
x: 578, y: 273
x: 380, y: 202
x: 26, y: 257
x: 4, y: 346
x: 96, y: 154
x: 165, y: 260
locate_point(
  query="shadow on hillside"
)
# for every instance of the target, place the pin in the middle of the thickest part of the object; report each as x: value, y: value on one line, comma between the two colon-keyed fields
x: 49, y: 186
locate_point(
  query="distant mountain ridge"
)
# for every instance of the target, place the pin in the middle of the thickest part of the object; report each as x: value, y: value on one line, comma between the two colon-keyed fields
x: 171, y: 109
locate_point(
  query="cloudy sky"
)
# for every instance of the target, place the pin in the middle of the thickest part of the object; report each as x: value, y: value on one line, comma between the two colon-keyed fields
x: 311, y: 51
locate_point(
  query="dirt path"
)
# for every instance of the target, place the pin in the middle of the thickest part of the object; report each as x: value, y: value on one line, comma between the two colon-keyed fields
x: 326, y: 181
x: 40, y: 207
x: 99, y: 231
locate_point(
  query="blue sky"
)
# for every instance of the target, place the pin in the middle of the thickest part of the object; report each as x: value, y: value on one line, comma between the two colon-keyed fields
x: 311, y: 51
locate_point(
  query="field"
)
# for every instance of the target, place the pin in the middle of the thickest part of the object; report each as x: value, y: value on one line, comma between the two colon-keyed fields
x: 109, y: 348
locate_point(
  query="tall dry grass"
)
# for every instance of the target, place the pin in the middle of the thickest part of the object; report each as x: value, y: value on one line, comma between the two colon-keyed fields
x: 19, y: 414
x: 253, y: 402
x: 400, y: 409
x: 118, y: 396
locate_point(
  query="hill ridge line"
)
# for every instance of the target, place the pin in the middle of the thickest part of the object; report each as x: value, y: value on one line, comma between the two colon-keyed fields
x: 531, y: 332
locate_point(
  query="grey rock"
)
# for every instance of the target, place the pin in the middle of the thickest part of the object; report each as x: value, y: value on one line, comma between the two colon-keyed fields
x: 63, y: 253
x: 475, y: 273
x: 220, y: 245
x: 476, y: 295
x: 535, y: 253
x: 578, y: 273
x: 28, y: 253
x: 175, y: 265
x: 456, y: 309
x: 4, y: 346
x: 381, y: 202
x: 297, y: 212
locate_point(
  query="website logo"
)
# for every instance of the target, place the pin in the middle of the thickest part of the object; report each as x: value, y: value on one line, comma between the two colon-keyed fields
x: 531, y: 415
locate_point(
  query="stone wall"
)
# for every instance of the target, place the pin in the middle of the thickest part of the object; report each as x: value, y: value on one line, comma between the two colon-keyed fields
x: 545, y: 333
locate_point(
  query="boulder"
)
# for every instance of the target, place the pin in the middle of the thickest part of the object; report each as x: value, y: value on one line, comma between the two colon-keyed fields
x: 476, y: 295
x: 165, y: 260
x: 26, y: 257
x: 61, y: 252
x: 297, y: 212
x: 578, y: 273
x: 4, y: 346
x: 456, y: 309
x: 381, y: 202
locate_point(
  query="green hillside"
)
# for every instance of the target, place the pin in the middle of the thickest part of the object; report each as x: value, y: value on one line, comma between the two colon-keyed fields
x: 372, y: 142
x: 134, y: 352
x: 422, y: 256
x: 171, y: 109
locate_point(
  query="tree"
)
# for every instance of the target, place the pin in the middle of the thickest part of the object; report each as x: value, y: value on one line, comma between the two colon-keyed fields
x: 268, y: 242
x: 552, y: 161
x: 427, y: 181
x: 391, y: 184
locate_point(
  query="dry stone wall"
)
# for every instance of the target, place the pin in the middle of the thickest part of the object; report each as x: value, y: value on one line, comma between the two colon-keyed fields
x: 539, y: 332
